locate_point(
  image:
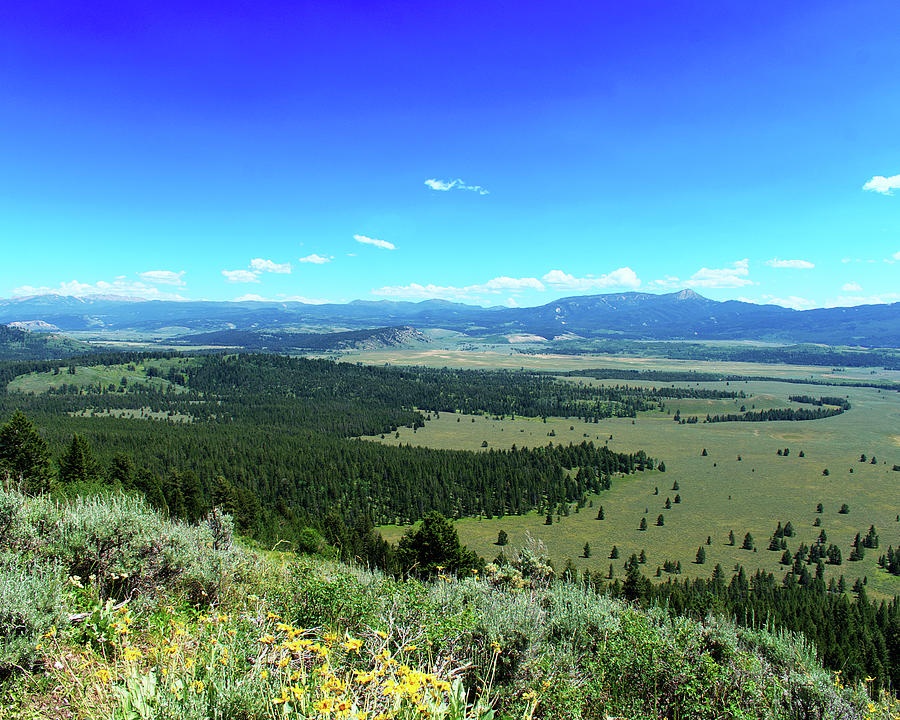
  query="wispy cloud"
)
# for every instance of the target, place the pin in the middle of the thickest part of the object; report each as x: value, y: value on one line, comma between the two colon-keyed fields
x: 241, y: 276
x: 851, y: 287
x: 384, y: 244
x: 623, y: 277
x: 316, y: 259
x: 792, y: 301
x: 851, y: 300
x: 251, y: 297
x: 557, y: 279
x: 260, y: 265
x: 500, y: 284
x: 728, y: 277
x: 883, y: 185
x: 792, y: 264
x: 162, y: 277
x: 458, y: 184
x: 120, y: 286
x: 302, y: 299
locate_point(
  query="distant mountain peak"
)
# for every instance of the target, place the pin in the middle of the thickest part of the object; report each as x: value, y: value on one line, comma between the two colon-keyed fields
x: 687, y: 294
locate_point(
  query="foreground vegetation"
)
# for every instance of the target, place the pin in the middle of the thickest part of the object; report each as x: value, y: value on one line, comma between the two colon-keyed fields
x: 111, y: 611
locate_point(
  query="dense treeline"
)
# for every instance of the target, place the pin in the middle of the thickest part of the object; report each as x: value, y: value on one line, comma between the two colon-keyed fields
x: 671, y: 376
x: 271, y: 441
x: 840, y: 402
x: 858, y: 637
x: 777, y: 414
x: 787, y: 355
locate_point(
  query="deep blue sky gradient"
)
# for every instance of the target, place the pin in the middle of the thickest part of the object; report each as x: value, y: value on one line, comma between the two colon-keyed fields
x: 665, y: 138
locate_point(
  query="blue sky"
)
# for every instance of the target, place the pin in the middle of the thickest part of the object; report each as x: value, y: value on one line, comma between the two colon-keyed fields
x: 494, y: 153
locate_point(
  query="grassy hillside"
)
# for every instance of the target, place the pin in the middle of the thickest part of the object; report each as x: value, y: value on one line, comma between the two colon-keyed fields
x: 109, y: 610
x: 16, y: 344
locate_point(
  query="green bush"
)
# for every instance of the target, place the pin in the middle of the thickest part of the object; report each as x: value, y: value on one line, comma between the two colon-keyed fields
x: 30, y: 606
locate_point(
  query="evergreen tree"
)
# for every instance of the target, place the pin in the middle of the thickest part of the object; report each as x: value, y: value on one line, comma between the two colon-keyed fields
x: 643, y: 525
x: 434, y: 545
x: 502, y: 538
x: 614, y: 553
x: 24, y: 457
x: 701, y: 555
x: 78, y: 464
x: 660, y: 520
x: 121, y: 472
x: 731, y: 537
x: 587, y: 550
x: 600, y: 513
x: 748, y: 542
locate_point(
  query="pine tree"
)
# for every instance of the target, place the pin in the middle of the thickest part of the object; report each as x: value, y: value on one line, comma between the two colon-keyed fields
x: 78, y: 464
x: 24, y: 456
x: 600, y: 513
x: 502, y: 538
x: 614, y: 553
x: 660, y: 520
x: 587, y: 550
x: 643, y: 525
x: 701, y: 555
x: 731, y: 537
x: 748, y: 542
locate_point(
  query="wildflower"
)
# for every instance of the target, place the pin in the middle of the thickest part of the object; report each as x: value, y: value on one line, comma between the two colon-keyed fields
x: 411, y: 648
x: 198, y: 687
x: 353, y: 644
x: 267, y: 640
x: 273, y: 616
x: 75, y: 581
x: 324, y: 705
x: 329, y: 638
x: 281, y: 699
x: 102, y: 675
x: 364, y: 678
x: 132, y: 654
x: 382, y: 635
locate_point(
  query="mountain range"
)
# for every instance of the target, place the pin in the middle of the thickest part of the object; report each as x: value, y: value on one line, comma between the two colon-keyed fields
x: 630, y: 315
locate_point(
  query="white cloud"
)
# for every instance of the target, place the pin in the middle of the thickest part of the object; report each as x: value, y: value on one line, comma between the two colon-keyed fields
x: 882, y: 184
x: 316, y: 259
x: 850, y: 300
x: 458, y: 184
x: 384, y: 244
x: 851, y: 287
x: 732, y: 277
x: 260, y: 265
x: 510, y: 283
x: 468, y: 292
x: 301, y: 299
x: 162, y: 277
x: 241, y: 276
x: 120, y: 286
x: 250, y: 297
x: 792, y: 301
x: 793, y: 264
x: 623, y: 277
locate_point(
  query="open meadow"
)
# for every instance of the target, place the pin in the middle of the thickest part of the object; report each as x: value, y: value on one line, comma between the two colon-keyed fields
x: 741, y: 485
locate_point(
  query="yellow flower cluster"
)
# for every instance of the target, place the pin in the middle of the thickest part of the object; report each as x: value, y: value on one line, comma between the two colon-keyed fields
x: 330, y: 677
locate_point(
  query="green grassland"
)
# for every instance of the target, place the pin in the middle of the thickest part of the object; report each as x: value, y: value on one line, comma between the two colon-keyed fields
x: 102, y: 375
x: 719, y: 493
x: 141, y: 413
x: 508, y: 358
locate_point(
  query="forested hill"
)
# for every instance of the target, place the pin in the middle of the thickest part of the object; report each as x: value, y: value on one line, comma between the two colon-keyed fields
x: 17, y: 344
x: 271, y: 438
x: 273, y: 341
